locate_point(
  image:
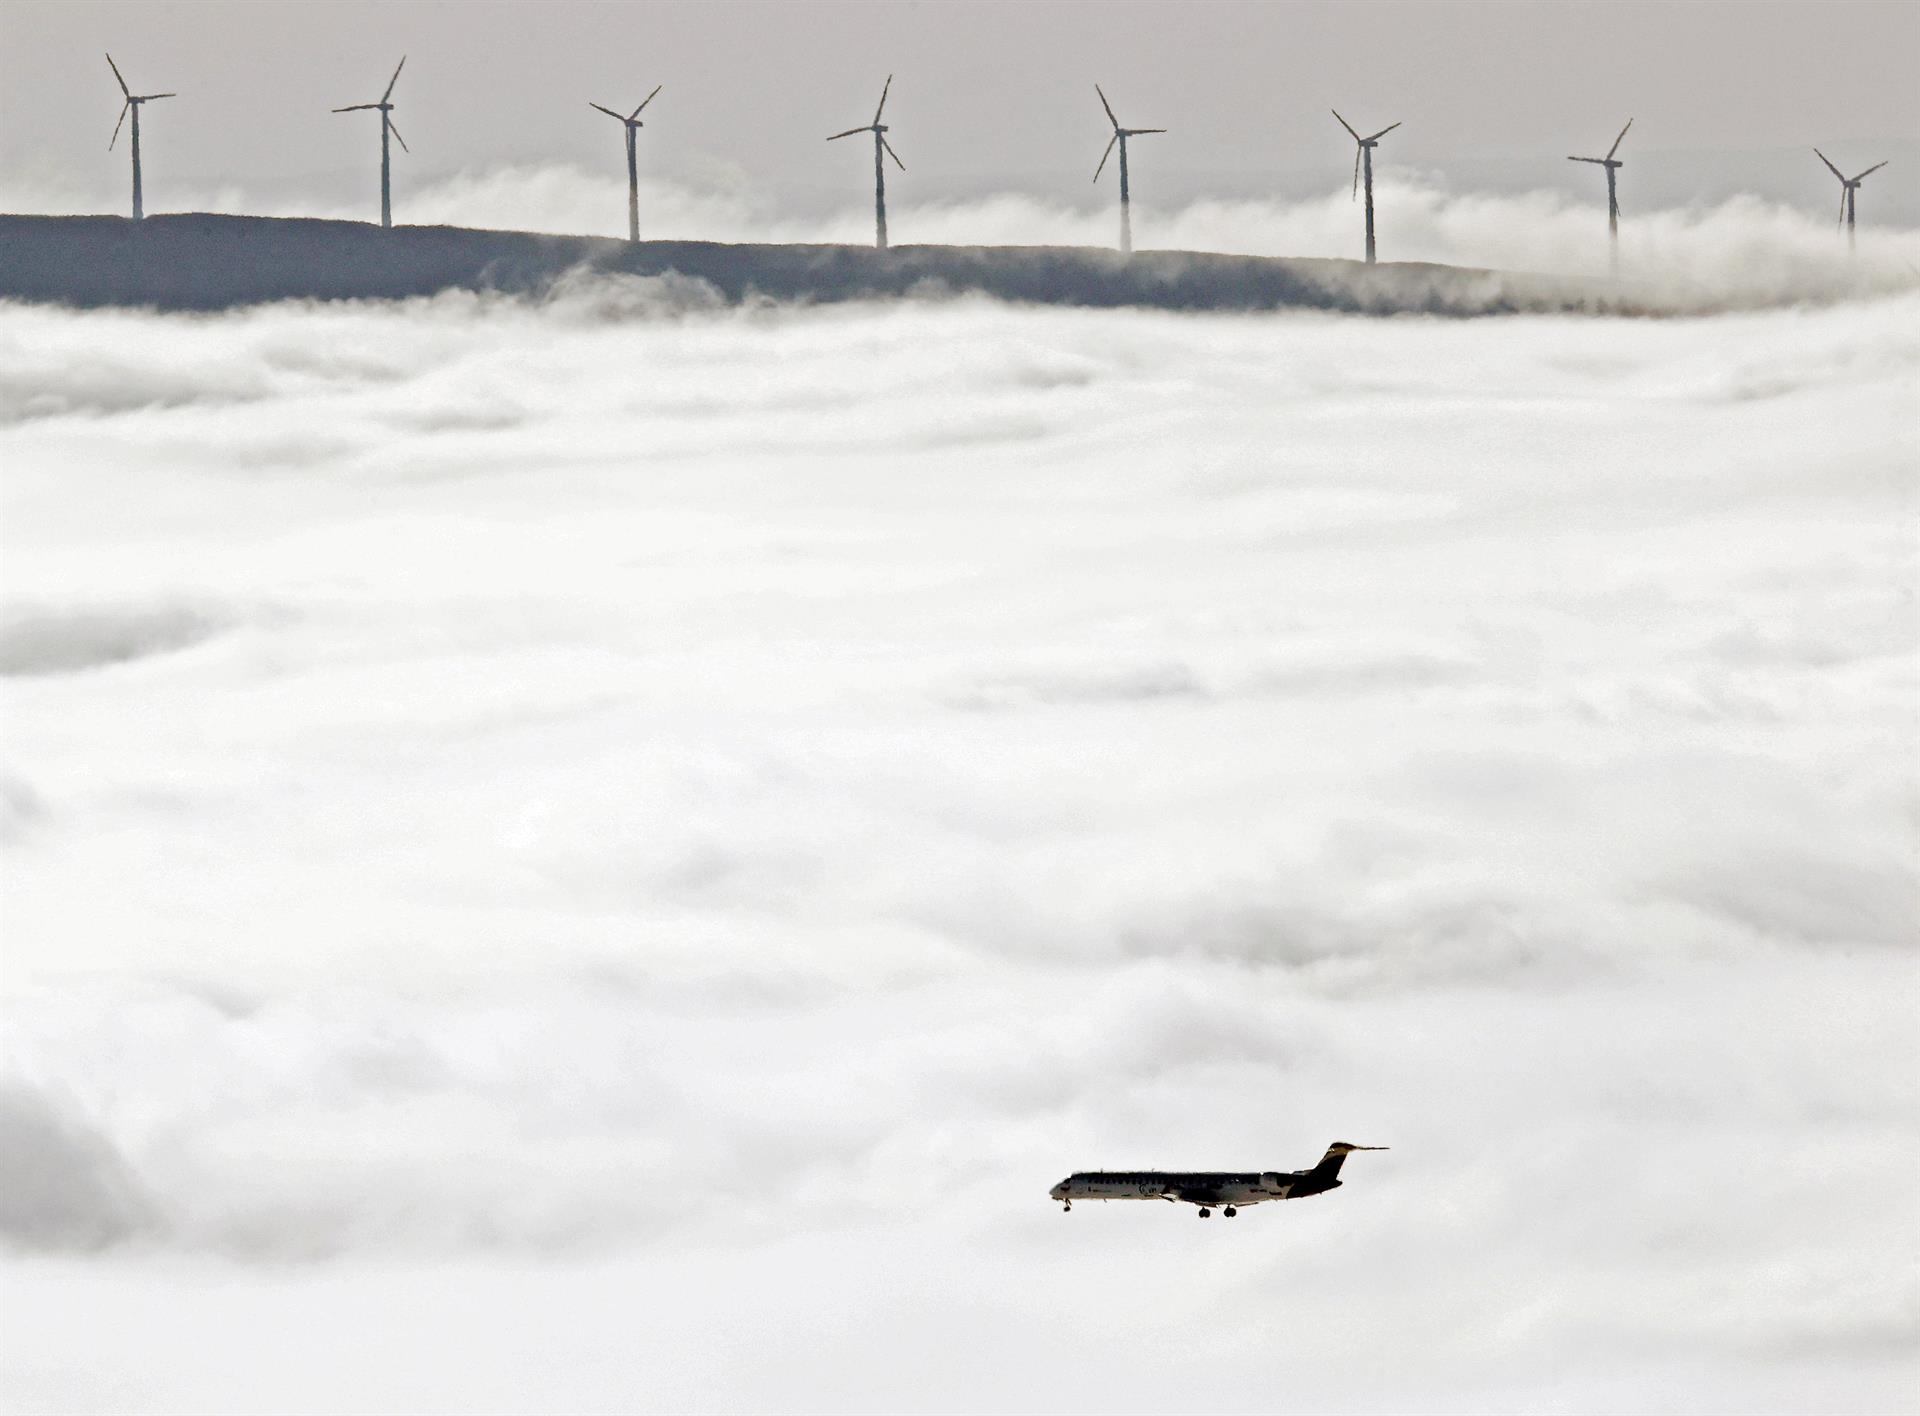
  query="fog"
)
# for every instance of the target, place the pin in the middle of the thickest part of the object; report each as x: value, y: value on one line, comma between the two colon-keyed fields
x: 603, y: 853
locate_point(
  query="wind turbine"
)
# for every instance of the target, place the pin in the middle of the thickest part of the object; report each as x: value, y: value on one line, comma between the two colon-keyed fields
x: 1363, y: 160
x: 633, y: 124
x: 386, y: 126
x: 1613, y: 201
x: 1120, y: 136
x: 133, y: 102
x: 1848, y: 186
x: 880, y: 146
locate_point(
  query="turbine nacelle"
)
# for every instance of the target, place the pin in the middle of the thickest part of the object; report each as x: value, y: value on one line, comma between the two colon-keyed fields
x: 1365, y: 142
x: 632, y: 120
x: 129, y: 101
x: 1846, y: 181
x: 1849, y: 186
x: 1609, y: 160
x: 384, y: 105
x: 1118, y: 131
x: 876, y: 127
x: 1364, y: 148
x: 1120, y: 134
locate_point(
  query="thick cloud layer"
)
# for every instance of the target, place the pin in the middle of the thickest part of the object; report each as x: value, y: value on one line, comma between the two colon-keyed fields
x: 606, y: 853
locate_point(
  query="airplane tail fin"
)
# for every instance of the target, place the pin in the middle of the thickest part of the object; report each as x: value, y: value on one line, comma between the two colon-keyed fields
x: 1328, y: 1170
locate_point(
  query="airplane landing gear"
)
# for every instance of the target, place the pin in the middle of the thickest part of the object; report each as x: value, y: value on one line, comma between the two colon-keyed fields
x: 1204, y: 1212
x: 1229, y: 1211
x: 1066, y: 1207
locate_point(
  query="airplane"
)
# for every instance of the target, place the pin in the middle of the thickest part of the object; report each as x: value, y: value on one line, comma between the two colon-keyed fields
x: 1231, y: 1191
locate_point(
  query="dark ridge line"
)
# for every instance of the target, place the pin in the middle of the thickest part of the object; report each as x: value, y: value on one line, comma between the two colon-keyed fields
x: 206, y: 262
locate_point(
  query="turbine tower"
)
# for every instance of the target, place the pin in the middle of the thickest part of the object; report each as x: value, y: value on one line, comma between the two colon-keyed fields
x: 1363, y: 161
x: 882, y: 149
x: 633, y: 124
x: 1120, y: 136
x: 1613, y: 200
x: 386, y: 126
x: 1848, y: 185
x: 133, y: 102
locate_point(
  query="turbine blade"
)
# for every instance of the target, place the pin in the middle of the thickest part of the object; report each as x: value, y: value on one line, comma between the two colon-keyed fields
x: 1383, y: 132
x: 1105, y: 155
x: 648, y: 99
x: 397, y: 138
x: 1875, y: 168
x: 395, y: 79
x: 1830, y: 167
x: 116, y: 127
x: 355, y: 107
x: 1843, y: 208
x: 116, y: 74
x: 850, y: 132
x: 608, y: 111
x: 1356, y: 175
x: 149, y: 97
x: 1344, y: 123
x: 1109, y: 107
x: 892, y: 154
x: 1617, y: 141
x: 1601, y: 160
x: 1136, y: 132
x: 883, y: 99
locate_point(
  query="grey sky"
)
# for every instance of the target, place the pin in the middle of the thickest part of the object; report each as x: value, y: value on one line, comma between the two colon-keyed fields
x: 987, y: 97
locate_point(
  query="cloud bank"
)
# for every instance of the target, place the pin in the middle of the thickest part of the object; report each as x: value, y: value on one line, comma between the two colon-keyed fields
x: 606, y: 853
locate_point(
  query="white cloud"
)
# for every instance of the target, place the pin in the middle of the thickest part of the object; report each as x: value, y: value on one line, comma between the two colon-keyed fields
x: 629, y: 843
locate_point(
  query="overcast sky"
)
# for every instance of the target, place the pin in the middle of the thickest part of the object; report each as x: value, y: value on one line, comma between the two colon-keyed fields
x: 987, y: 96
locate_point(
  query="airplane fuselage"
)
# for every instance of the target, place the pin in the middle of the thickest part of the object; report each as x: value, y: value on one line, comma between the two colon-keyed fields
x: 1229, y: 1190
x: 1198, y: 1187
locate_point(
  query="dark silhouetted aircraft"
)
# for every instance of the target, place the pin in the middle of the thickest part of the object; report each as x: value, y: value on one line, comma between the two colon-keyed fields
x: 1230, y: 1190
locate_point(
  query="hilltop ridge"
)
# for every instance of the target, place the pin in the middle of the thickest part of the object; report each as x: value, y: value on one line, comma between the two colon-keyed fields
x: 203, y: 262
